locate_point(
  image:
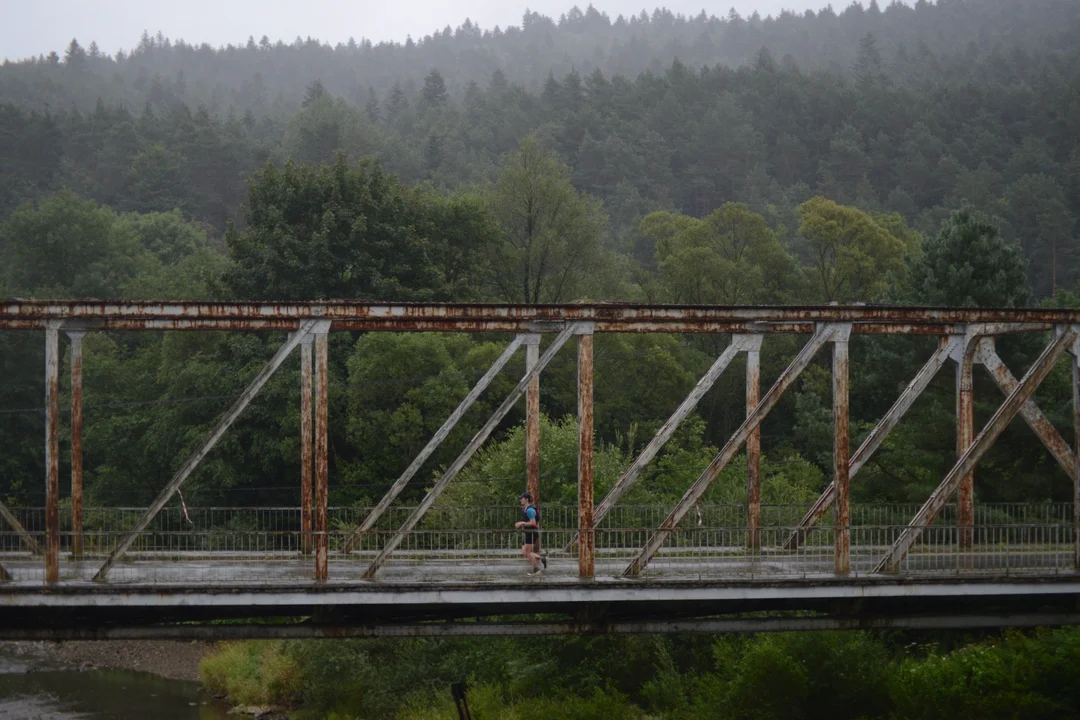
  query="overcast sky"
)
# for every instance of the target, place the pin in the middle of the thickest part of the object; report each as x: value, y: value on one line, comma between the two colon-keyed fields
x: 30, y: 27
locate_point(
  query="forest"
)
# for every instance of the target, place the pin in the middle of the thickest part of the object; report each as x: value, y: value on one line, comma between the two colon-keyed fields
x: 923, y: 153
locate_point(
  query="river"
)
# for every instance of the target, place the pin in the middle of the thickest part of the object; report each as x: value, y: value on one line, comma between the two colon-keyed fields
x: 30, y: 692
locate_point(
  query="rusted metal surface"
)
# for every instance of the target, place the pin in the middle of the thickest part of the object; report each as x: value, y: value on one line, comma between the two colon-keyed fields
x: 52, y: 453
x: 532, y: 420
x: 322, y: 463
x: 1033, y: 416
x: 345, y: 309
x: 753, y: 442
x: 665, y: 432
x: 306, y: 439
x: 586, y: 526
x: 466, y: 454
x: 76, y: 337
x: 693, y: 495
x: 841, y: 440
x: 965, y: 432
x: 522, y: 325
x: 1030, y: 382
x: 1076, y: 457
x: 207, y: 444
x: 435, y: 441
x: 508, y: 326
x: 876, y: 437
x: 607, y: 317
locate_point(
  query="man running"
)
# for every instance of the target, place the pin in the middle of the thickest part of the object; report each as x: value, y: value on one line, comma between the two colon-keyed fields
x: 530, y: 523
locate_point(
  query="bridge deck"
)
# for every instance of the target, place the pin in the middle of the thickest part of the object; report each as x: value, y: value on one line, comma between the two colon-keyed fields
x: 231, y: 569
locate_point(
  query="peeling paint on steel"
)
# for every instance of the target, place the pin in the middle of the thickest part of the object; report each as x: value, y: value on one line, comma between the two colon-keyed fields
x: 306, y: 439
x: 52, y: 454
x: 322, y: 421
x: 586, y: 533
x: 76, y: 338
x: 841, y: 440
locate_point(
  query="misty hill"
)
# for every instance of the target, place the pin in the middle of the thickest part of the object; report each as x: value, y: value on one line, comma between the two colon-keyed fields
x: 993, y: 122
x: 266, y: 76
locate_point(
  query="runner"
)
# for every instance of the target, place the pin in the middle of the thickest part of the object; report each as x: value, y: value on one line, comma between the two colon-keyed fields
x: 531, y: 525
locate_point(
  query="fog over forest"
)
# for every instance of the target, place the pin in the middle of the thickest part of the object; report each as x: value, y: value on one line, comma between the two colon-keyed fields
x: 116, y: 25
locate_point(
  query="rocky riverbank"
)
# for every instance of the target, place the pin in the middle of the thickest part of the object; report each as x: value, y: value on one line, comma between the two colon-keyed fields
x: 173, y: 659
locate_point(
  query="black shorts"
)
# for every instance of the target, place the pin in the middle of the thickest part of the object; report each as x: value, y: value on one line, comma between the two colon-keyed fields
x: 531, y: 537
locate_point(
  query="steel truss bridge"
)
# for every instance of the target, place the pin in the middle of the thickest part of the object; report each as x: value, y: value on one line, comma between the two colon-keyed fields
x: 439, y: 570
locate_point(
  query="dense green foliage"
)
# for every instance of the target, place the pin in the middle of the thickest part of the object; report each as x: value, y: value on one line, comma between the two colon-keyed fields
x: 834, y: 676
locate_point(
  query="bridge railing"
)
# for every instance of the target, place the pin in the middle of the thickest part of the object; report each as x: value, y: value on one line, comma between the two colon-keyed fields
x: 485, y: 534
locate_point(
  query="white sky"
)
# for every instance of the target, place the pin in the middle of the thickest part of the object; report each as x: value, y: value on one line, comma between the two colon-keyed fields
x: 30, y: 27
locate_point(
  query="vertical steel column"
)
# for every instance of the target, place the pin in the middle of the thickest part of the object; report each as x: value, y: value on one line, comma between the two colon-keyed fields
x: 52, y: 452
x: 1076, y: 447
x: 76, y: 338
x: 586, y: 529
x: 965, y: 434
x: 532, y: 420
x: 753, y: 442
x: 322, y: 417
x: 305, y: 445
x: 841, y: 449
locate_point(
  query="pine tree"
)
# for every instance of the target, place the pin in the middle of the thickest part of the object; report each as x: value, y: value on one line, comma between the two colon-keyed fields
x: 434, y: 92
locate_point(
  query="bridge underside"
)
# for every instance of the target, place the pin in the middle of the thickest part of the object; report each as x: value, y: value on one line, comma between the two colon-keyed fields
x: 448, y: 609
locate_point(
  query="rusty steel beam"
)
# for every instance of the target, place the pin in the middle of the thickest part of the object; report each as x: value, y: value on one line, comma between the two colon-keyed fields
x: 693, y: 495
x: 515, y: 325
x: 841, y: 458
x: 1030, y: 382
x: 1033, y: 416
x: 752, y: 345
x: 207, y: 444
x: 306, y: 448
x: 1076, y: 458
x: 13, y: 522
x: 875, y: 438
x: 76, y: 338
x: 586, y: 524
x: 466, y: 454
x: 532, y: 420
x: 588, y: 312
x: 436, y: 440
x: 322, y: 458
x: 664, y: 434
x: 965, y: 433
x: 52, y: 453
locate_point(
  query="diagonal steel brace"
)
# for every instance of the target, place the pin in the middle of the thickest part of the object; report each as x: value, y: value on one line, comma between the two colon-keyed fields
x: 208, y: 443
x: 664, y: 434
x: 693, y: 495
x: 10, y: 519
x: 876, y: 437
x: 434, y: 443
x: 1033, y: 416
x: 466, y: 454
x: 1008, y: 410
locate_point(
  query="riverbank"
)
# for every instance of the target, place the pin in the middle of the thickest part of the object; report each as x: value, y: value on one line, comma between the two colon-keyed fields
x: 172, y: 659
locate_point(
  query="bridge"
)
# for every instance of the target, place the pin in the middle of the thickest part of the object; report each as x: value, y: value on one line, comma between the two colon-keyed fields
x: 435, y: 569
